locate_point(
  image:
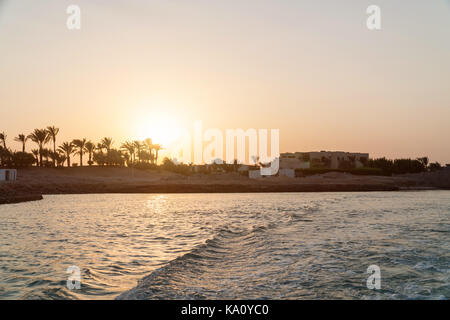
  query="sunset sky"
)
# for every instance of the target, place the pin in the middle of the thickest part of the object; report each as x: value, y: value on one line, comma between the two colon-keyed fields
x: 309, y: 68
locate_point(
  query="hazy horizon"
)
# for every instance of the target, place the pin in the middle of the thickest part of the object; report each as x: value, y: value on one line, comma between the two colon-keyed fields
x: 311, y: 69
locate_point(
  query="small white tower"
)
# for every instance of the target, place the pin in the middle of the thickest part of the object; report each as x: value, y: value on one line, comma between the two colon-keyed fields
x: 8, y: 174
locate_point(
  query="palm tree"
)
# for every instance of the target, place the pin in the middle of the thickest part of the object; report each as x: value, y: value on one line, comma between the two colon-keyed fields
x: 68, y: 149
x: 3, y: 139
x: 100, y: 147
x: 35, y: 152
x: 22, y: 139
x: 157, y: 147
x: 40, y: 137
x: 107, y: 144
x: 81, y: 145
x: 53, y: 156
x: 5, y: 156
x: 52, y: 132
x: 130, y: 147
x: 90, y: 148
x: 139, y: 146
x: 60, y: 158
x: 148, y: 144
x: 126, y: 156
x: 46, y: 154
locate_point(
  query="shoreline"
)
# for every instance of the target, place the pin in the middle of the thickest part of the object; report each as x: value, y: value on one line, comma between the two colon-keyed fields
x: 32, y: 183
x: 195, y: 188
x: 20, y: 198
x: 174, y: 189
x: 192, y: 189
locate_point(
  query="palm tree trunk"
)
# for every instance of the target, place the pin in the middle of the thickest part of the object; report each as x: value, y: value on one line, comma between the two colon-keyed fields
x: 81, y: 159
x: 40, y: 156
x: 54, y: 151
x: 68, y: 160
x: 23, y: 147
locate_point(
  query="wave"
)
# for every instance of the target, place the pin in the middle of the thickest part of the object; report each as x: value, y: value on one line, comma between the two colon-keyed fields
x: 163, y: 282
x: 229, y: 243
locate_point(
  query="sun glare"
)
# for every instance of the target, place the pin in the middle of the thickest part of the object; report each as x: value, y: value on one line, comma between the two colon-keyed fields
x: 162, y: 129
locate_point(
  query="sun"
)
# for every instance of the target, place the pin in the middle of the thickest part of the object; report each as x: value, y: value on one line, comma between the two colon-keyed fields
x: 162, y: 129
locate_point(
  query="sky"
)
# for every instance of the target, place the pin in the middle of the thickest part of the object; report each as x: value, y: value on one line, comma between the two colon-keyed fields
x: 311, y: 69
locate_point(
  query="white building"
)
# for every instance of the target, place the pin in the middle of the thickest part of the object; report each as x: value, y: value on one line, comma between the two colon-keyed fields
x: 297, y: 160
x: 8, y: 174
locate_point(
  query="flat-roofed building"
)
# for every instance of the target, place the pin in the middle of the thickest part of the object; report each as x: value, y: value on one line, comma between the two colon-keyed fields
x: 294, y: 160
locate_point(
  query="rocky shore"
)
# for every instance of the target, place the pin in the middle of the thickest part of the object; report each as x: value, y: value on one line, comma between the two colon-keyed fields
x: 18, y: 197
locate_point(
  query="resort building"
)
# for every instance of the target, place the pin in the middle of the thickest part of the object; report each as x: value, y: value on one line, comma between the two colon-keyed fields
x: 297, y: 160
x: 323, y: 159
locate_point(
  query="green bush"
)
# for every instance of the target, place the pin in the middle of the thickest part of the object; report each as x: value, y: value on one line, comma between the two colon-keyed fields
x: 169, y: 165
x: 399, y: 166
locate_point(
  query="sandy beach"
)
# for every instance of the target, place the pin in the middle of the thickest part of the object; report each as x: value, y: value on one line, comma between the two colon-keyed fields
x: 32, y: 183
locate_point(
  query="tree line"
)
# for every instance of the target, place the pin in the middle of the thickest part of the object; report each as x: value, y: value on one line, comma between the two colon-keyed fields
x: 144, y: 154
x: 402, y: 166
x: 48, y: 154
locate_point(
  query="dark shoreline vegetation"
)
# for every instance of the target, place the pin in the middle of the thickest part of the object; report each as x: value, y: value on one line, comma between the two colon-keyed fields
x: 130, y: 152
x: 134, y: 168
